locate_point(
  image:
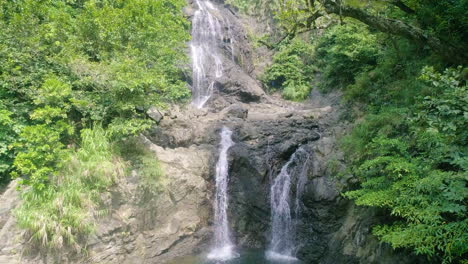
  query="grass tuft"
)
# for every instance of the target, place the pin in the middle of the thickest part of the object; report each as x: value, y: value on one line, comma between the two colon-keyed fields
x: 63, y: 214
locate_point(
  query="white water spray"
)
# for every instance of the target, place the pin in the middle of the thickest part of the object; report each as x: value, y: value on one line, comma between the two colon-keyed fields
x: 223, y: 248
x: 283, y: 226
x: 207, y: 38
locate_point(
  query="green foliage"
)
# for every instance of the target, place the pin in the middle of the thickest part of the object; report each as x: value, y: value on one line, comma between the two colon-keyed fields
x: 63, y: 212
x: 296, y: 91
x: 132, y: 51
x: 341, y: 53
x: 412, y: 161
x: 409, y: 153
x: 64, y: 67
x: 8, y: 134
x: 393, y: 80
x: 67, y: 64
x: 445, y: 19
x: 409, y: 150
x: 40, y: 148
x: 344, y: 51
x: 291, y: 70
x: 446, y: 111
x: 260, y: 8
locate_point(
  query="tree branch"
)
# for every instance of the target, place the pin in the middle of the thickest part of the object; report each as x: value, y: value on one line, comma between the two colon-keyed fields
x: 396, y: 27
x: 403, y: 7
x: 298, y: 28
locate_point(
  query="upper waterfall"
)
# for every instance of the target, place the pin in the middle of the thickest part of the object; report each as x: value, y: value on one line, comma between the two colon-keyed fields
x: 208, y: 28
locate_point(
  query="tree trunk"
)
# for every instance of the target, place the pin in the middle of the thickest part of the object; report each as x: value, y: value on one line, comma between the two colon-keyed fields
x: 396, y: 27
x: 403, y: 7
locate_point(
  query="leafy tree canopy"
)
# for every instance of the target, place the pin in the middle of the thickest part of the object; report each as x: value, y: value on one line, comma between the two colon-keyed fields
x: 67, y: 65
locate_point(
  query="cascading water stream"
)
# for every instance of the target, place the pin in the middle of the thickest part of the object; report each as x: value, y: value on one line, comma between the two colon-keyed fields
x: 223, y: 247
x: 212, y: 45
x: 283, y: 217
x: 207, y: 37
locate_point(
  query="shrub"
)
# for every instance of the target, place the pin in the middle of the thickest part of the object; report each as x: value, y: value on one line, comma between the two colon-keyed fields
x: 296, y: 91
x: 291, y: 71
x: 393, y: 80
x: 344, y: 51
x: 67, y: 65
x: 412, y: 162
x: 8, y: 134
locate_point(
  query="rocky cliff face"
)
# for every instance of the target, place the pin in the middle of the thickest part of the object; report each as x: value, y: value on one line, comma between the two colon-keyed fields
x: 140, y: 228
x: 177, y: 222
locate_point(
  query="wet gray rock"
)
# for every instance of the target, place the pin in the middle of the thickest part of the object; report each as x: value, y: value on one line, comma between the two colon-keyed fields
x: 323, y: 189
x: 237, y: 111
x: 155, y: 114
x: 236, y: 85
x: 259, y: 153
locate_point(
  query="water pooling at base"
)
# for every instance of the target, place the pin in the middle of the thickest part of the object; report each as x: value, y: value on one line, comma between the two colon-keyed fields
x: 247, y: 256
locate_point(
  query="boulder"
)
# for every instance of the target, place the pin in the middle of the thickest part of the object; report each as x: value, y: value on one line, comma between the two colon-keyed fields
x: 155, y: 114
x: 237, y: 111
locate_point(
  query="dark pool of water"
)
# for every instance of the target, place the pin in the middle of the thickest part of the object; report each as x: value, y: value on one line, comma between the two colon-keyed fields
x: 250, y: 256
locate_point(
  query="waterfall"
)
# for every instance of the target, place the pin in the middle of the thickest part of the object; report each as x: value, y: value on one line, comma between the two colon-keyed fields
x: 207, y: 37
x: 283, y: 217
x: 223, y: 247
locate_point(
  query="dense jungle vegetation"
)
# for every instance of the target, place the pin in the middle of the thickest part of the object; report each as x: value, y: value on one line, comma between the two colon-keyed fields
x: 76, y: 80
x: 400, y: 65
x: 78, y: 76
